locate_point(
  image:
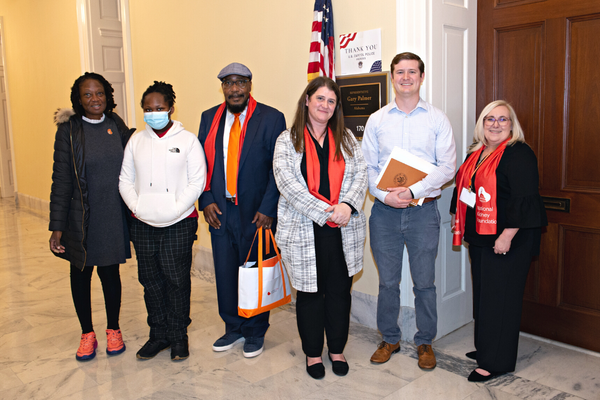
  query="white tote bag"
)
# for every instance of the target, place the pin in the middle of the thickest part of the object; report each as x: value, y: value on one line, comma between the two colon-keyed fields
x: 265, y: 286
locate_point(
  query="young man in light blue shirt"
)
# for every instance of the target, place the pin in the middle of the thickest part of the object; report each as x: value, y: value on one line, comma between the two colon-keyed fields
x: 414, y: 125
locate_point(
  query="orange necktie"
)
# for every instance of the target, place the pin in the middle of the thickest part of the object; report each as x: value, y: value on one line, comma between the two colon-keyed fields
x: 232, y: 155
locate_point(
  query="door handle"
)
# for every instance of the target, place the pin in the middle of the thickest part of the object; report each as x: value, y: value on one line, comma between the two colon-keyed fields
x: 557, y: 203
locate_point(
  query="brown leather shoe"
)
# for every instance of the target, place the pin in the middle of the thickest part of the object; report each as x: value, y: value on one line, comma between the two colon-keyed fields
x: 426, y: 357
x: 384, y: 352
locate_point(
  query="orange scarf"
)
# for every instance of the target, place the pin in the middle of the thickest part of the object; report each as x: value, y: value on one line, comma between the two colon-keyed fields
x: 209, y: 144
x: 486, y: 212
x: 335, y: 169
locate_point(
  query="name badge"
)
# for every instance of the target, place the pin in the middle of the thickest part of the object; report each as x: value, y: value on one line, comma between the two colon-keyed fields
x: 467, y: 197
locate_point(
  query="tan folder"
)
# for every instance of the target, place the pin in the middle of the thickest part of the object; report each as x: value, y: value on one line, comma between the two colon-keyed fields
x: 403, y: 169
x: 398, y: 174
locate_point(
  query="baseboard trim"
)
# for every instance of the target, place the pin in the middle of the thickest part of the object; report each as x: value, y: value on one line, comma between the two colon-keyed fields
x: 32, y: 204
x: 364, y: 312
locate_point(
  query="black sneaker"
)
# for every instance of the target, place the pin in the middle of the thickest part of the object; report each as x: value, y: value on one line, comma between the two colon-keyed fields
x: 152, y: 348
x: 179, y: 350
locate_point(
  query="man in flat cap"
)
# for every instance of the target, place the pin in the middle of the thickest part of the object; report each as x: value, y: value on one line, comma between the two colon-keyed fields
x: 238, y: 137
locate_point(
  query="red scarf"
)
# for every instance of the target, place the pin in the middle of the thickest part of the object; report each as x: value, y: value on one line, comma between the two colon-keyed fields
x: 335, y: 170
x: 486, y: 212
x: 209, y: 144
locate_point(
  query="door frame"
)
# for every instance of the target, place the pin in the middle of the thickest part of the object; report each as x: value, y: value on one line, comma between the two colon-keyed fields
x: 3, y: 184
x: 85, y: 44
x: 433, y: 29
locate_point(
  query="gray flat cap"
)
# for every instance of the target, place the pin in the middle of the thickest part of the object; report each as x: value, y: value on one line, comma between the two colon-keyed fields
x: 235, y: 69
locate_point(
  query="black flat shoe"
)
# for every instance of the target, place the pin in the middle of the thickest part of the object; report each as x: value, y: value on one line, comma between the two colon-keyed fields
x: 472, y: 355
x: 180, y: 350
x: 477, y: 377
x: 339, y: 368
x: 316, y: 371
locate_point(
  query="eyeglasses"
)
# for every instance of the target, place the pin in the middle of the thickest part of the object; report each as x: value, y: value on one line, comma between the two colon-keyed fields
x: 239, y: 83
x: 502, y: 121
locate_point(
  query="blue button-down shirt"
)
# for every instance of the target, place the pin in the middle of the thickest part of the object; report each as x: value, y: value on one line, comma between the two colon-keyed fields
x: 424, y: 132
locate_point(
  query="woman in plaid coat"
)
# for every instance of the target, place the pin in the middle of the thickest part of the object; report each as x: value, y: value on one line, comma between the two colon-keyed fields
x: 322, y: 176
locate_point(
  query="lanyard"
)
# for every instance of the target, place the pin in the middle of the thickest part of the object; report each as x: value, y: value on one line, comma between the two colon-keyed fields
x: 475, y: 170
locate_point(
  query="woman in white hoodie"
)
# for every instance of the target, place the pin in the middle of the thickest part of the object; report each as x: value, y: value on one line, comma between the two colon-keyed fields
x: 163, y: 174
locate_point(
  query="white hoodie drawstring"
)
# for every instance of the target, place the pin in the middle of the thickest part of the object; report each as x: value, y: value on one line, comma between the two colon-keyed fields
x: 167, y: 150
x: 151, y: 160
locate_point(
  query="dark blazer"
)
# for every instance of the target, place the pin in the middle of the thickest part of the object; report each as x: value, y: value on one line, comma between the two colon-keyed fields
x: 256, y: 189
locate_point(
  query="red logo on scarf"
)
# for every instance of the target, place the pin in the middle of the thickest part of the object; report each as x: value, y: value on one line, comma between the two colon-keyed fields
x: 484, y: 196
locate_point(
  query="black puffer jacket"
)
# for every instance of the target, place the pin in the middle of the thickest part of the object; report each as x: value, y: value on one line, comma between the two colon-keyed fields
x: 69, y: 206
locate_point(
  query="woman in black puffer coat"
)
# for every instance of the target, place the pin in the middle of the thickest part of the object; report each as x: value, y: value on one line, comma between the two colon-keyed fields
x: 87, y: 215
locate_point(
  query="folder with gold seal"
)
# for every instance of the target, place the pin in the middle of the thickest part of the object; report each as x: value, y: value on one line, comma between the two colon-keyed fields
x: 403, y: 169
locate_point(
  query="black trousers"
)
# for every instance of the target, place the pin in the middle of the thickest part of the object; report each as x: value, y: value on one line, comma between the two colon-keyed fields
x: 81, y: 281
x: 164, y: 263
x: 229, y: 253
x: 498, y: 287
x: 329, y: 308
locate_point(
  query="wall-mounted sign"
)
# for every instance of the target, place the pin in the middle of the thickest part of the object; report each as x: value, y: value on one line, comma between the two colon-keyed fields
x: 360, y: 52
x: 362, y: 95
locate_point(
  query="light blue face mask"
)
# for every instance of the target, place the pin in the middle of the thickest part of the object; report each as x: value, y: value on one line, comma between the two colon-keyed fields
x: 157, y: 120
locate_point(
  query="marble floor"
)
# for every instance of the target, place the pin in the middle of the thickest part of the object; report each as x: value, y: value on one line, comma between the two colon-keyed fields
x: 39, y: 335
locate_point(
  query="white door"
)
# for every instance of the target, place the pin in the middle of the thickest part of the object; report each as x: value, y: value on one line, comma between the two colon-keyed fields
x: 7, y: 185
x: 105, y: 51
x: 443, y: 33
x: 452, y: 60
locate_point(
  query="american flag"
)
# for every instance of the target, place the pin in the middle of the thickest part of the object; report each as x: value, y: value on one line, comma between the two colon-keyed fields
x: 322, y: 61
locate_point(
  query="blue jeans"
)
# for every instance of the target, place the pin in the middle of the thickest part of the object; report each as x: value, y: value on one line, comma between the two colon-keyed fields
x: 418, y: 228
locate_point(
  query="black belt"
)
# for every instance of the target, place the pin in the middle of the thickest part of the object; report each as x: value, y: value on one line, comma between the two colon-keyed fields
x: 230, y: 199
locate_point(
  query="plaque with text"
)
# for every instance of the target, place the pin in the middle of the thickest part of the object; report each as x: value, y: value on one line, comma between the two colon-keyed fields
x: 362, y: 95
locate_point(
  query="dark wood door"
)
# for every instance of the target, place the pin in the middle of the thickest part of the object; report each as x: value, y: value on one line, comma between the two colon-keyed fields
x: 543, y: 56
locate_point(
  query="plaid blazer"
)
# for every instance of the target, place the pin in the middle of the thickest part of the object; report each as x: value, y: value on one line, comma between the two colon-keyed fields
x: 298, y: 209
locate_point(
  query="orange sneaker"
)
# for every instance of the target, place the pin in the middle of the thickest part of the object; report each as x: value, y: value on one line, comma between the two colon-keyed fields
x: 114, y: 342
x: 87, y: 347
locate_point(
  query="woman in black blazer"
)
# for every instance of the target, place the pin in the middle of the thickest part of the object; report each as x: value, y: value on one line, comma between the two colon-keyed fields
x: 499, y: 213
